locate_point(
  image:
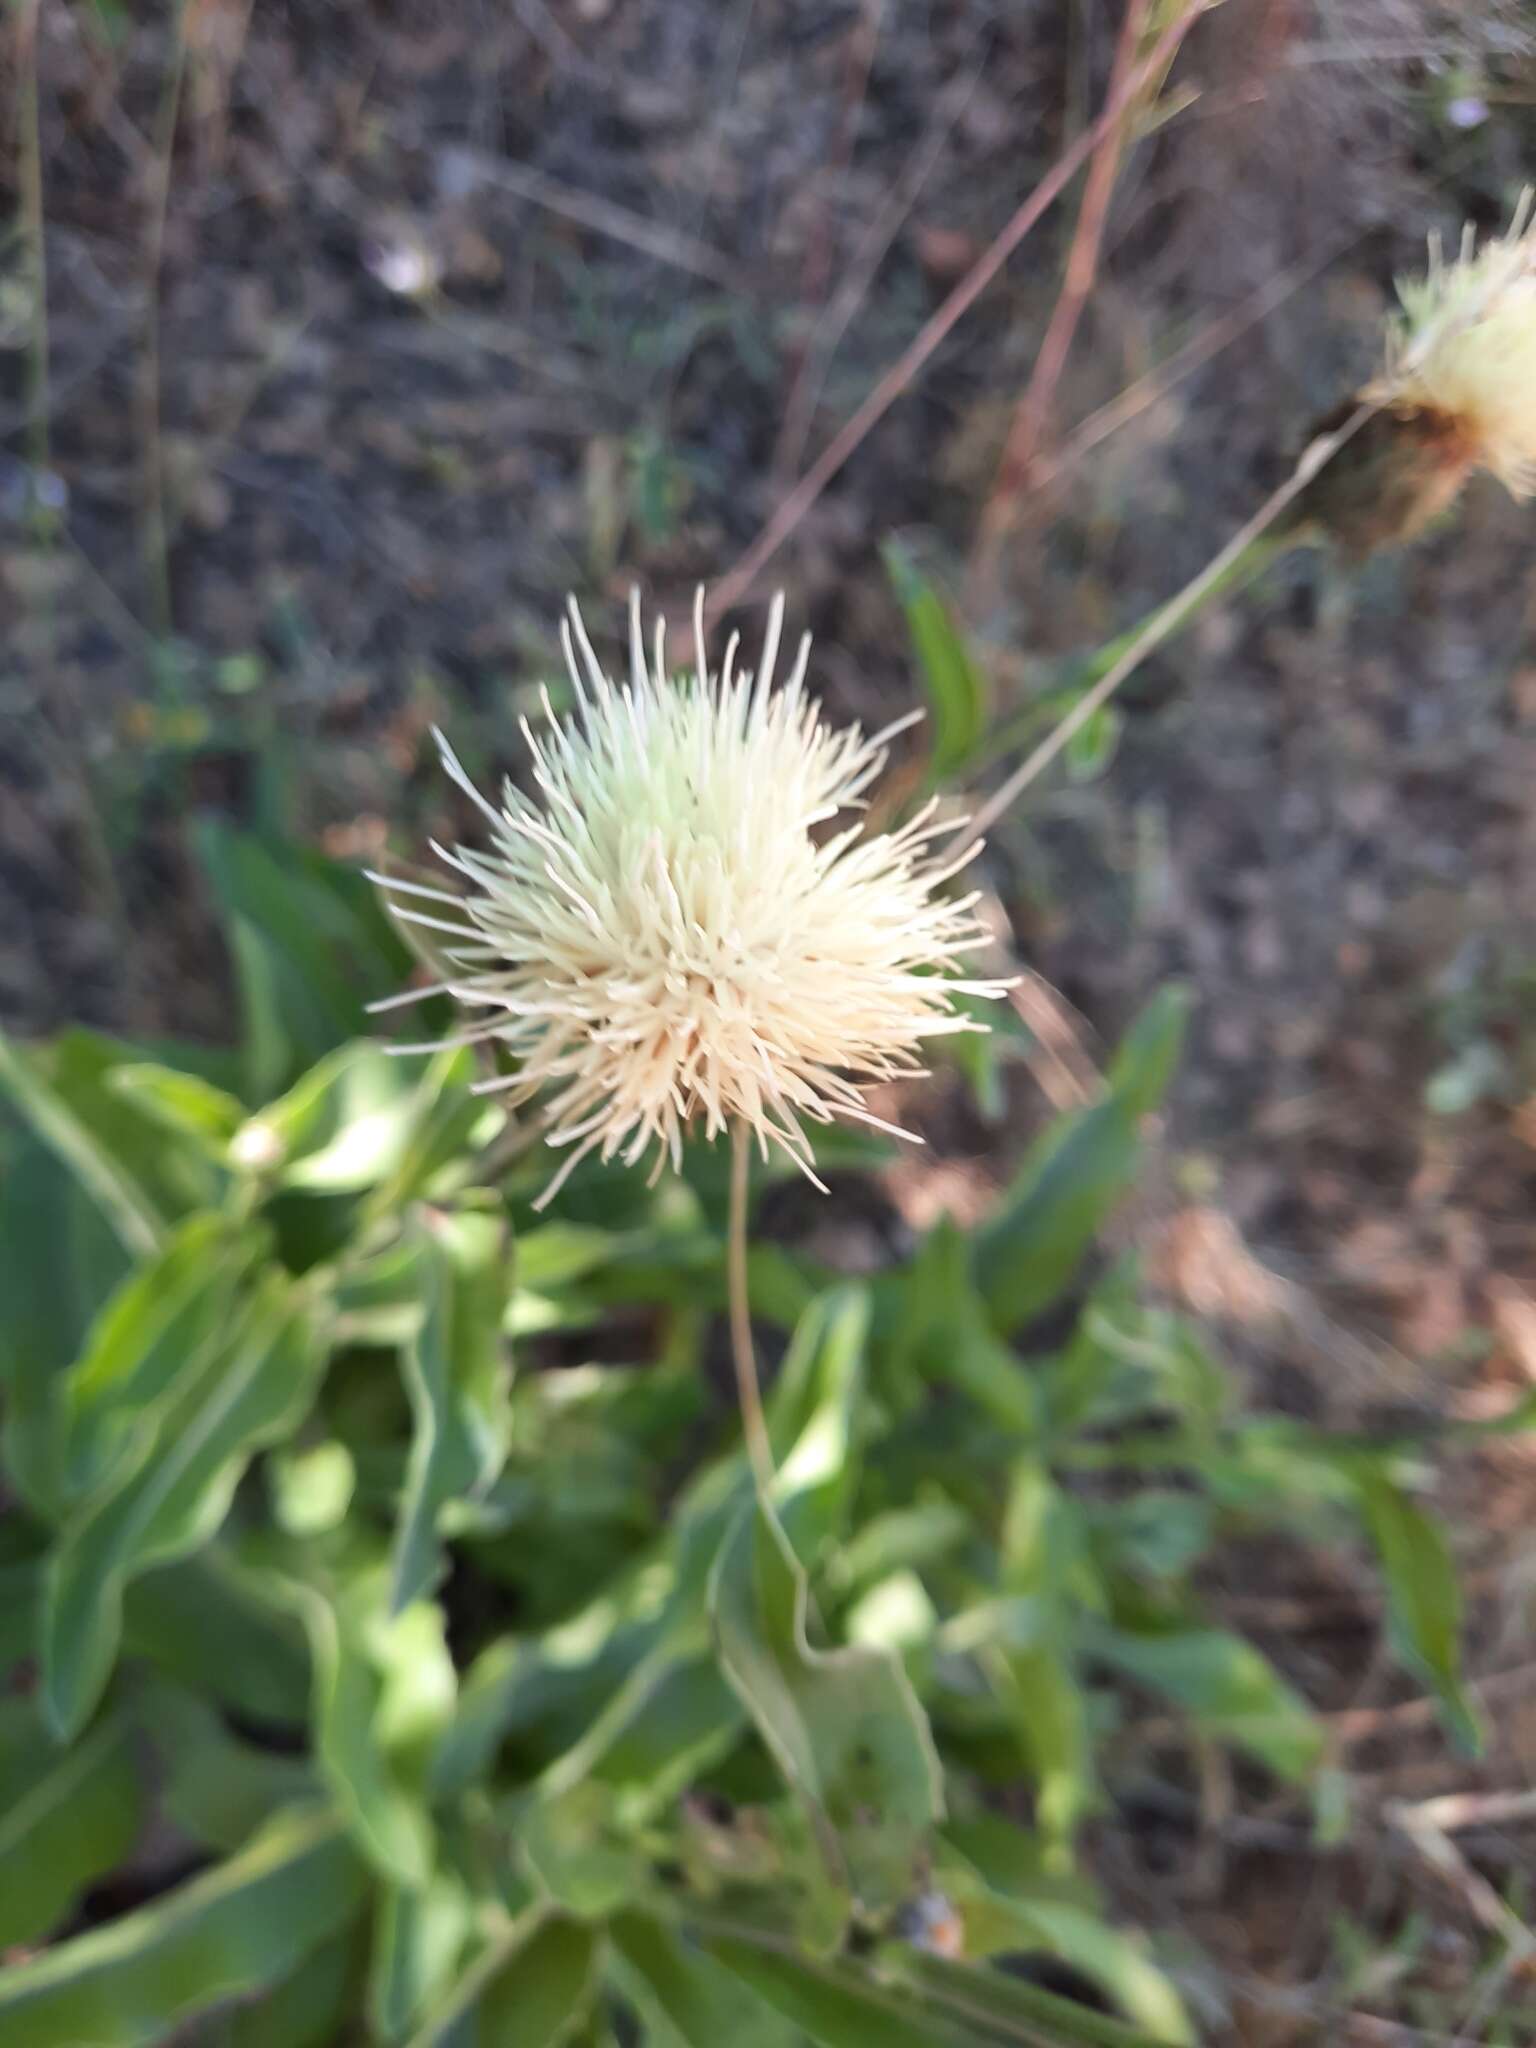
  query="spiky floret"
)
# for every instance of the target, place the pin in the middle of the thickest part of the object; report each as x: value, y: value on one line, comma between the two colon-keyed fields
x: 1463, y: 349
x: 675, y: 932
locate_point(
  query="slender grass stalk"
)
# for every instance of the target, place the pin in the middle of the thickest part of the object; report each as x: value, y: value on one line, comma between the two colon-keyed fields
x: 748, y: 1392
x: 1166, y: 620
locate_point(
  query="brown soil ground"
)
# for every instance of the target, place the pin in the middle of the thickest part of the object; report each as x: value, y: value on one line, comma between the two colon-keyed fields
x: 372, y: 329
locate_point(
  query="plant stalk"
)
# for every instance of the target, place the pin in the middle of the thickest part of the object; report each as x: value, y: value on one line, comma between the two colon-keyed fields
x: 748, y: 1393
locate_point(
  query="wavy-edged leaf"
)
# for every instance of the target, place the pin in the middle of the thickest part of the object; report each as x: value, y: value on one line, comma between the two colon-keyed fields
x: 243, y: 1926
x: 172, y: 1498
x: 65, y: 1818
x: 456, y: 1371
x: 844, y: 1726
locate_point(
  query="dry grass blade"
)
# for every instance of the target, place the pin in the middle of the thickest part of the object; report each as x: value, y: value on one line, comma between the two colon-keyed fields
x: 738, y: 580
x: 1033, y: 409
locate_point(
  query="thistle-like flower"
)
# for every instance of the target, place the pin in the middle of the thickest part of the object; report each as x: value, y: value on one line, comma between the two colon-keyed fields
x: 1462, y: 351
x: 669, y: 937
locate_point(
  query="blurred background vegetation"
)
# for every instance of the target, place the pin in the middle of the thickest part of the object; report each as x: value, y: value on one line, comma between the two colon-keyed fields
x: 1180, y: 1401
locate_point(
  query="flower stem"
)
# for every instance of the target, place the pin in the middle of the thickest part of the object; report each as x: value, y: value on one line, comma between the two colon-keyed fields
x: 748, y: 1393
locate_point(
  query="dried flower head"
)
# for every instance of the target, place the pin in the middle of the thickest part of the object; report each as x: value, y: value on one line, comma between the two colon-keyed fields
x: 668, y: 936
x: 1463, y: 350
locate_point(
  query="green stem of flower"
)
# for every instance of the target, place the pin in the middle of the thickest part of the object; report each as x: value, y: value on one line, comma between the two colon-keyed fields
x: 1166, y: 621
x: 753, y: 1422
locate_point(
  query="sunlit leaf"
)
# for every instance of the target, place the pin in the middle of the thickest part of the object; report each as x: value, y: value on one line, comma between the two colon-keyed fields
x: 456, y: 1371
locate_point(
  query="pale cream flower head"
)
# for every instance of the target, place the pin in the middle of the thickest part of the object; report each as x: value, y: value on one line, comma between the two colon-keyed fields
x: 669, y: 937
x: 1463, y: 349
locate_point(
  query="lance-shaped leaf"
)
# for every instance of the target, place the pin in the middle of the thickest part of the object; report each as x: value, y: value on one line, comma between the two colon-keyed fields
x: 60, y: 1259
x: 1030, y: 1251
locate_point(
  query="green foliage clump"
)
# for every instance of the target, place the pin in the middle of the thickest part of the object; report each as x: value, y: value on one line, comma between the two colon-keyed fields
x: 390, y: 1615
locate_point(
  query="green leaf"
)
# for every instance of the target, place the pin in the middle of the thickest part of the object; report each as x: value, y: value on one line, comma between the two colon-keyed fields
x: 122, y: 1198
x: 205, y: 1623
x: 234, y: 1931
x: 837, y: 2005
x: 1227, y: 1686
x: 312, y: 948
x: 384, y: 1693
x: 343, y: 1126
x: 456, y: 1375
x: 271, y: 1056
x: 59, y: 1260
x: 531, y: 1987
x: 160, y: 1325
x: 419, y: 1935
x: 954, y: 682
x: 574, y: 1845
x: 1092, y: 746
x: 217, y: 1789
x: 65, y: 1818
x: 1007, y: 2008
x: 844, y: 1726
x: 171, y: 1497
x: 307, y: 2010
x: 1030, y: 1251
x: 998, y: 1923
x: 684, y: 1997
x: 1423, y: 1595
x: 184, y: 1103
x: 447, y: 1124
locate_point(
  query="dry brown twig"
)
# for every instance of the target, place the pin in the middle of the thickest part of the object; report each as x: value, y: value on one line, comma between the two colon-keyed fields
x: 1000, y: 513
x: 738, y: 580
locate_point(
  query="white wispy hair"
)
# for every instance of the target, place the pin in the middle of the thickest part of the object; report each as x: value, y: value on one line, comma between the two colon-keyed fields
x: 667, y: 936
x: 1463, y: 348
